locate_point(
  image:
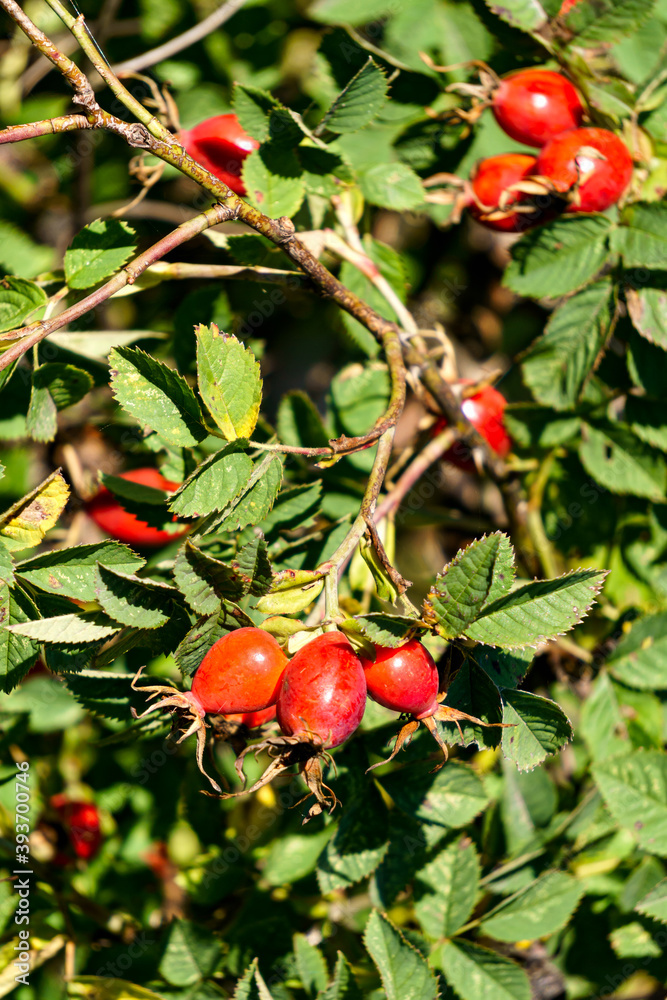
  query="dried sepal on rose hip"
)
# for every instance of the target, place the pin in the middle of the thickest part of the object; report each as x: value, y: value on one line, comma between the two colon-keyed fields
x: 241, y: 673
x: 406, y: 680
x: 320, y: 704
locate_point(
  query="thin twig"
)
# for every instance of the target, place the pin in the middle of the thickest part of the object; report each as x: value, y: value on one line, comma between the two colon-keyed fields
x: 49, y: 126
x: 33, y: 334
x: 189, y: 37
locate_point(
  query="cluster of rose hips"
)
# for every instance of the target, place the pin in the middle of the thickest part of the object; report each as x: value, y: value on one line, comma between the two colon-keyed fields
x: 578, y: 169
x: 319, y: 698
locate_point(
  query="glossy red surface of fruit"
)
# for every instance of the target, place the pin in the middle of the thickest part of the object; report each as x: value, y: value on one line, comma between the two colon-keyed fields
x: 81, y: 820
x: 240, y: 673
x: 485, y: 411
x: 221, y: 145
x: 492, y: 177
x: 403, y: 679
x: 532, y: 105
x: 323, y: 693
x: 107, y: 513
x: 566, y: 160
x: 253, y: 720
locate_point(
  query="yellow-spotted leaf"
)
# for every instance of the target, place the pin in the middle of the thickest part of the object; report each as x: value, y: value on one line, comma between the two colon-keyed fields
x: 25, y: 524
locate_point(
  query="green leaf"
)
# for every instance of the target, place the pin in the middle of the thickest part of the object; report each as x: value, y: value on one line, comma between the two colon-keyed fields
x: 204, y: 580
x: 476, y: 576
x: 214, y: 484
x: 640, y: 658
x: 310, y: 965
x: 349, y: 11
x: 97, y: 252
x: 131, y: 600
x: 392, y: 185
x: 559, y: 364
x: 20, y: 255
x: 274, y: 180
x: 622, y: 463
x: 647, y: 420
x: 157, y: 396
x: 633, y: 940
x: 602, y: 725
x: 480, y: 974
x: 343, y: 985
x: 17, y: 653
x: 88, y: 987
x: 538, y: 611
x: 196, y: 644
x: 87, y: 626
x: 540, y: 728
x: 450, y: 798
x: 505, y: 668
x: 19, y: 298
x: 385, y: 629
x: 147, y: 503
x: 252, y: 561
x: 403, y: 970
x: 527, y: 15
x: 647, y: 307
x: 472, y: 691
x: 359, y: 395
x: 579, y: 242
x: 641, y: 239
x: 606, y: 20
x: 103, y: 693
x: 291, y: 592
x: 252, y: 107
x: 42, y: 416
x: 298, y: 422
x: 294, y: 855
x: 65, y: 383
x: 255, y: 504
x: 251, y: 986
x: 634, y: 787
x: 293, y: 508
x: 450, y: 884
x: 540, y: 909
x: 229, y: 381
x: 654, y: 904
x: 71, y: 572
x: 359, y: 103
x: 6, y: 566
x: 191, y: 953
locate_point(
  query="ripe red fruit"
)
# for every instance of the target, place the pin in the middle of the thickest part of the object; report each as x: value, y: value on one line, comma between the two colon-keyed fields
x: 532, y: 105
x: 591, y: 165
x: 108, y: 514
x: 403, y: 679
x: 221, y: 145
x: 492, y: 198
x: 253, y: 720
x: 323, y: 692
x: 81, y: 821
x: 240, y: 673
x: 486, y: 412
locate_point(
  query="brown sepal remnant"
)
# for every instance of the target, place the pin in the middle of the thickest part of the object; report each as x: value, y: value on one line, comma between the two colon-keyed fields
x: 443, y: 714
x: 185, y: 716
x: 285, y: 752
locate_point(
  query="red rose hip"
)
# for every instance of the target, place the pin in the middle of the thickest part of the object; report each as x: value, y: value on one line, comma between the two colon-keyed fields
x: 533, y: 105
x: 221, y: 145
x: 492, y: 198
x: 323, y: 692
x: 591, y: 166
x: 403, y: 679
x: 240, y: 673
